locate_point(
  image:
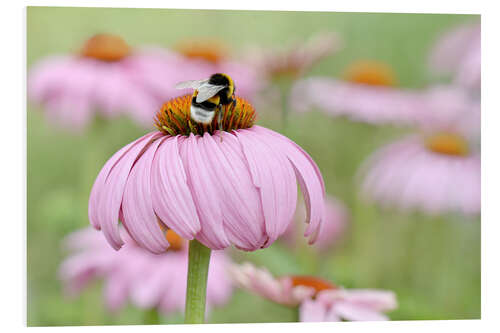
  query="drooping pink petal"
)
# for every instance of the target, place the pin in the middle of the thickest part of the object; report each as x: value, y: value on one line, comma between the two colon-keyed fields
x: 137, y: 205
x: 308, y: 176
x: 454, y: 48
x: 379, y: 300
x: 172, y: 199
x: 273, y: 175
x: 149, y: 280
x: 219, y: 281
x: 98, y: 187
x: 332, y: 228
x: 355, y: 312
x: 116, y: 292
x: 156, y: 281
x: 312, y: 311
x: 205, y: 196
x: 110, y: 90
x: 79, y: 270
x: 174, y: 296
x: 57, y: 111
x: 240, y: 201
x: 113, y: 188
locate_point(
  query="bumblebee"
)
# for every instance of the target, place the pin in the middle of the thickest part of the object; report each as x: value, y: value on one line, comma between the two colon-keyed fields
x: 209, y: 96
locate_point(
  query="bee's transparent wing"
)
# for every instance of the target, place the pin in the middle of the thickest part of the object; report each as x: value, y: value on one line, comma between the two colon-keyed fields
x: 207, y: 90
x: 193, y: 84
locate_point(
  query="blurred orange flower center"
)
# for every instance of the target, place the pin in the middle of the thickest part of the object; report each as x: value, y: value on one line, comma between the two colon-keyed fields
x: 174, y: 117
x: 176, y: 241
x: 447, y: 143
x: 312, y: 282
x: 106, y: 47
x: 372, y: 73
x: 209, y: 50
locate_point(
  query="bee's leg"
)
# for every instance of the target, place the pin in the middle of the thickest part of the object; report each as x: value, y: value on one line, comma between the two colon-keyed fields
x: 219, y: 119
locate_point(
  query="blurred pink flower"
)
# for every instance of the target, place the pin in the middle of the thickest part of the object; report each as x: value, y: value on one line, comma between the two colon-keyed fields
x: 433, y: 173
x: 296, y: 59
x: 319, y: 300
x: 332, y: 228
x: 383, y: 105
x: 448, y: 108
x: 359, y: 102
x: 458, y: 52
x: 107, y: 77
x: 148, y: 280
x: 222, y: 188
x: 261, y: 282
x: 438, y: 169
x: 110, y: 78
x: 348, y: 304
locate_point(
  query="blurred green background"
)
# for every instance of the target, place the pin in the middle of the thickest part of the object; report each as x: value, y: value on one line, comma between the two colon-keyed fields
x: 432, y: 263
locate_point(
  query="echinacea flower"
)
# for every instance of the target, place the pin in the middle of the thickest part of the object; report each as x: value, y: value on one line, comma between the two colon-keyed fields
x: 367, y: 95
x: 366, y: 92
x: 295, y: 60
x: 332, y: 228
x: 282, y: 68
x: 458, y: 52
x: 147, y: 280
x: 348, y: 304
x: 237, y: 186
x: 438, y: 169
x: 434, y: 173
x: 318, y: 299
x: 106, y: 76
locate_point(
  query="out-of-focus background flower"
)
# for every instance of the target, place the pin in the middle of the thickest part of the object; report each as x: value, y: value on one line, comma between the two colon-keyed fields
x: 430, y: 260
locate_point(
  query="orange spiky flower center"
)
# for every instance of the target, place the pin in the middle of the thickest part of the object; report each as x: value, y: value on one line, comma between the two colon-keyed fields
x: 313, y: 282
x: 209, y: 50
x: 371, y: 73
x: 105, y: 47
x: 174, y: 117
x: 448, y: 144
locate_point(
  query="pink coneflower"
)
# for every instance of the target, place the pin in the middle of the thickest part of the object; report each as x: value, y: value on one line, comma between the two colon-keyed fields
x: 365, y: 101
x: 146, y: 279
x: 348, y: 304
x: 438, y: 169
x: 458, y: 52
x: 293, y: 61
x: 366, y: 92
x: 232, y: 186
x: 318, y: 299
x: 332, y: 228
x: 236, y: 187
x: 434, y: 173
x: 283, y: 67
x: 106, y: 76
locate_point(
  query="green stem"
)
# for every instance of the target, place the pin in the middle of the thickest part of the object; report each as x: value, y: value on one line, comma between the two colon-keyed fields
x: 152, y: 317
x: 199, y: 259
x: 296, y: 314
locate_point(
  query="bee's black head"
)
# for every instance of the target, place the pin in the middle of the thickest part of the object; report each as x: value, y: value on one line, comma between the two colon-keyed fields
x: 221, y: 79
